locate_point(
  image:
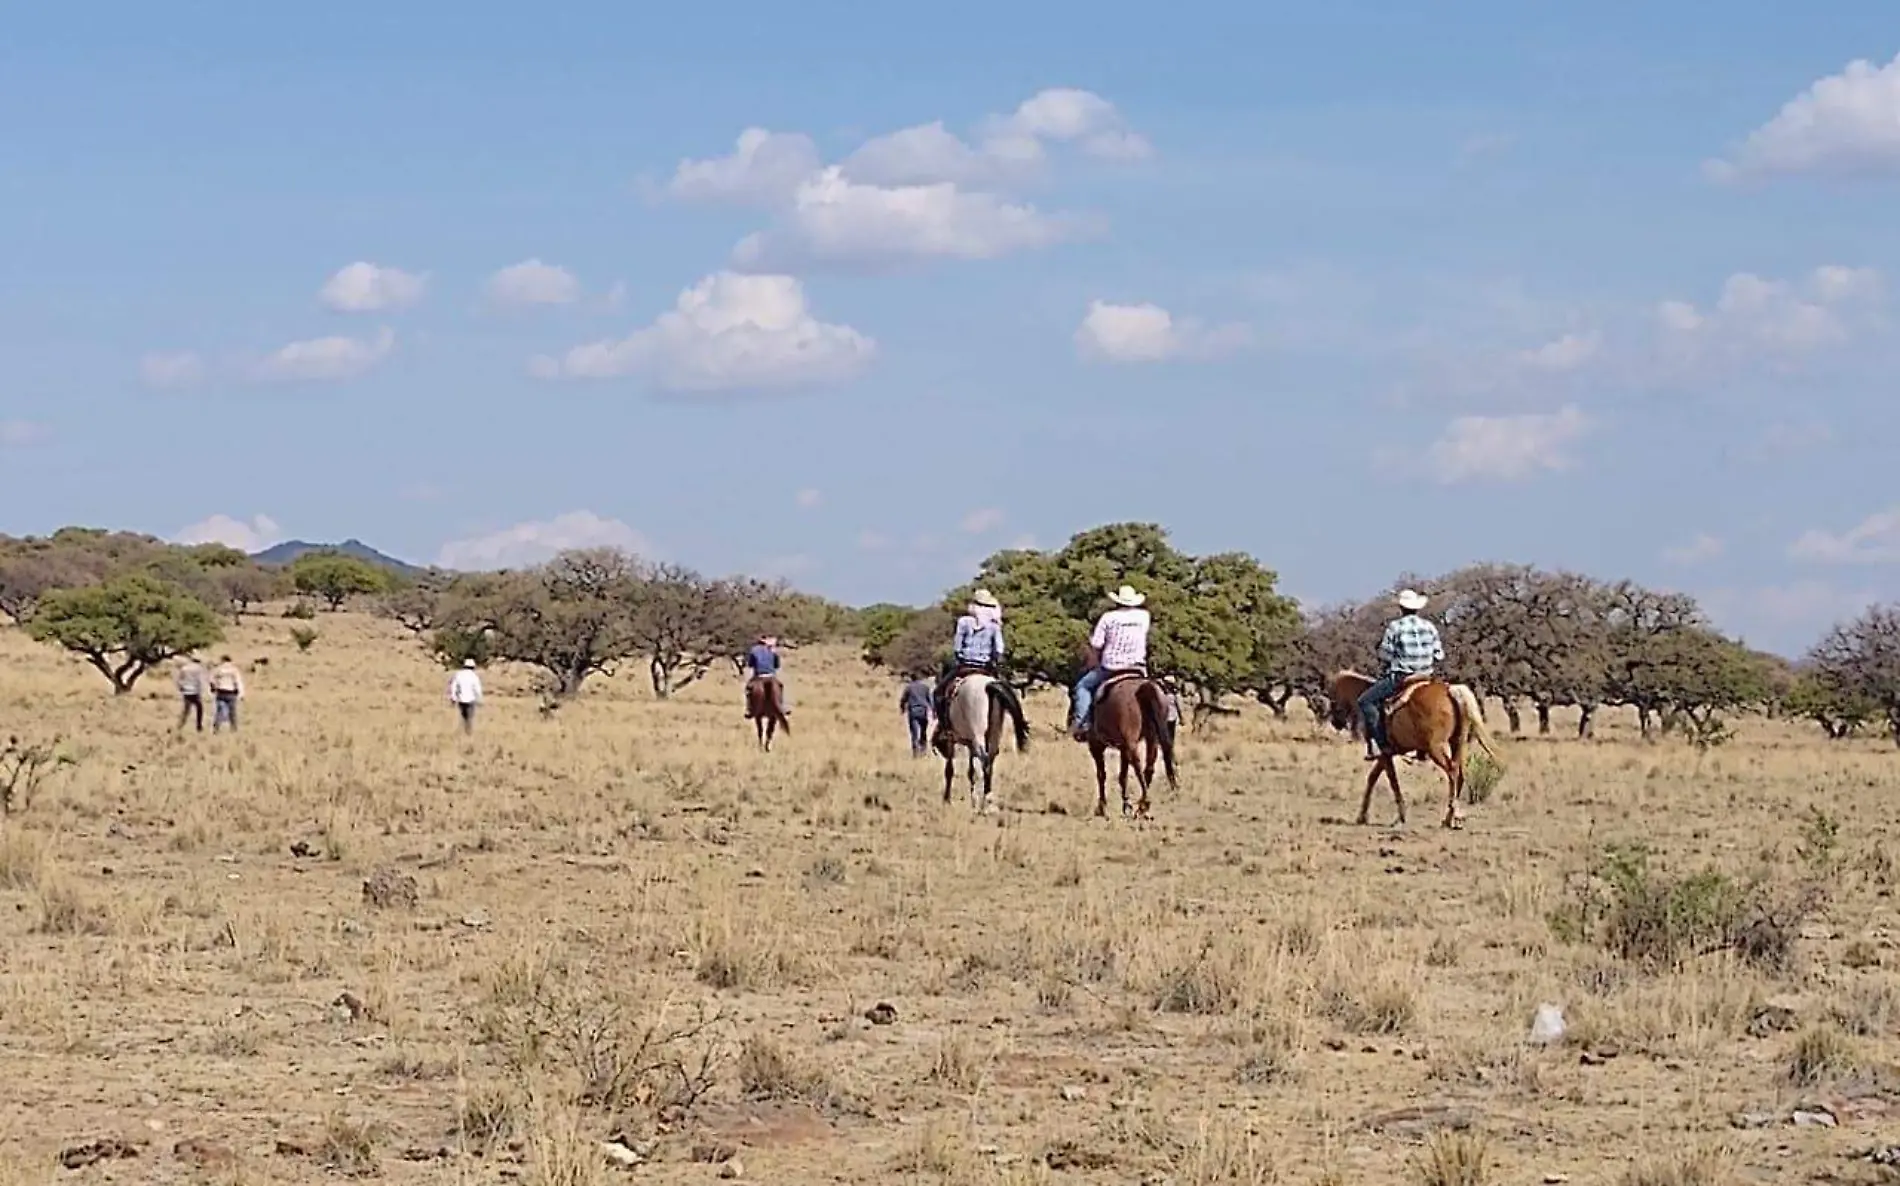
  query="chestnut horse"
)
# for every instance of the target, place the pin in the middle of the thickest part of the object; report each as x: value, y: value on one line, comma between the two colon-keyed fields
x: 1130, y: 710
x: 1433, y: 720
x: 765, y: 704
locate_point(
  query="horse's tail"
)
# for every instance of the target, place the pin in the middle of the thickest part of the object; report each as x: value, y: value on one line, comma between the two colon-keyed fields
x: 1005, y: 695
x: 1154, y: 718
x: 775, y: 700
x: 1467, y: 701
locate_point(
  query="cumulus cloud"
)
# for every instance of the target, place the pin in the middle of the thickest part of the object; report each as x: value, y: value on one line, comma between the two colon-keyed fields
x: 527, y: 544
x: 763, y: 169
x: 1506, y: 448
x: 14, y: 433
x: 253, y: 535
x: 532, y: 282
x: 1567, y: 353
x: 364, y: 287
x: 1755, y: 318
x: 1702, y: 548
x: 1874, y: 540
x: 1009, y: 148
x: 181, y: 368
x: 834, y: 220
x: 1847, y: 124
x: 729, y: 332
x: 1148, y: 333
x: 331, y: 359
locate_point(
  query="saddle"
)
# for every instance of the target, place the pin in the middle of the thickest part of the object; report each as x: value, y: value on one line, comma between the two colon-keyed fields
x: 962, y: 672
x: 1407, y: 689
x: 1122, y: 675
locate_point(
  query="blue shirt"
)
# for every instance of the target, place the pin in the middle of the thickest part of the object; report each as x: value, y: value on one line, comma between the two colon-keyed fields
x: 1411, y: 645
x: 763, y: 660
x: 917, y: 697
x: 978, y: 643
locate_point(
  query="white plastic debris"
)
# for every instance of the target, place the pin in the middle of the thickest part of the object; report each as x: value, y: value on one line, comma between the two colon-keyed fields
x: 1547, y: 1027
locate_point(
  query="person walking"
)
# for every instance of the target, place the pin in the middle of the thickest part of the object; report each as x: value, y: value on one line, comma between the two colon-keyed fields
x: 191, y: 681
x: 915, y: 702
x: 465, y: 692
x: 227, y: 688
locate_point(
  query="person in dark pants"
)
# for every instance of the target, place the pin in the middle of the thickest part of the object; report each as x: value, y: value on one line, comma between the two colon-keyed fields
x: 191, y: 680
x: 227, y: 687
x: 915, y: 702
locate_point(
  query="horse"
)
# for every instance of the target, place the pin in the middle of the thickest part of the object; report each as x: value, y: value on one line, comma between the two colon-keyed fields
x: 1130, y: 710
x: 765, y: 704
x: 974, y: 717
x: 1427, y: 718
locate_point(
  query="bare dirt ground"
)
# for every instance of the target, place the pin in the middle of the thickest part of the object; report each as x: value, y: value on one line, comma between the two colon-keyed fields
x: 802, y: 967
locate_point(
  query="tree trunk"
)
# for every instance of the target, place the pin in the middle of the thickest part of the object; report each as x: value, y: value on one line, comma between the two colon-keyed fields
x: 1543, y: 719
x: 1511, y: 714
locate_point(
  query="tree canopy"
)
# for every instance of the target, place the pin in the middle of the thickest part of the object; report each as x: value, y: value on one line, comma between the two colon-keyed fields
x: 125, y: 626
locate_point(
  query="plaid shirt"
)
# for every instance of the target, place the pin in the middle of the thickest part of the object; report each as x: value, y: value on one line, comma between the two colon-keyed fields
x: 1411, y: 645
x: 979, y: 642
x: 1121, y: 635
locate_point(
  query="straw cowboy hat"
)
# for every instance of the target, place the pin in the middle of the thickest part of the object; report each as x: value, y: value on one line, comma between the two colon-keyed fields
x: 985, y: 598
x: 1411, y: 600
x: 1126, y: 596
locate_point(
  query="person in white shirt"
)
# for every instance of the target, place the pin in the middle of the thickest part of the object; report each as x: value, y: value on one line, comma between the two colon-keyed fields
x: 1118, y: 643
x: 465, y: 692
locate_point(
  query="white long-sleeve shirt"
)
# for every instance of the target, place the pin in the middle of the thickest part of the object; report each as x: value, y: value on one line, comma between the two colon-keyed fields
x: 465, y: 687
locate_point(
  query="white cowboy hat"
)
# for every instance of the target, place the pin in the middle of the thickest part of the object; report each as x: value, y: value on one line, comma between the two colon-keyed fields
x: 468, y: 662
x: 1411, y: 599
x: 986, y: 598
x: 1126, y: 596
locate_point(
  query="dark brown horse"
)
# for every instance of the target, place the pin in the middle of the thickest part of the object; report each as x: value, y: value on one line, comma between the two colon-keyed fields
x: 1427, y: 718
x: 1130, y: 710
x: 765, y: 704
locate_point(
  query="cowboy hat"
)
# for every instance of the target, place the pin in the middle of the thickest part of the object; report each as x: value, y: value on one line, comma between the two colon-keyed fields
x: 985, y: 598
x: 1126, y: 596
x: 1411, y: 600
x: 468, y: 662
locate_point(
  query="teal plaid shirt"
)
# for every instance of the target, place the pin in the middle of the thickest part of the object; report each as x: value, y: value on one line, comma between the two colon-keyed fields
x: 1411, y: 645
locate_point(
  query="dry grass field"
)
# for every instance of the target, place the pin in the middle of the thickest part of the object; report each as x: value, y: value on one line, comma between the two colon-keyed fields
x: 802, y: 967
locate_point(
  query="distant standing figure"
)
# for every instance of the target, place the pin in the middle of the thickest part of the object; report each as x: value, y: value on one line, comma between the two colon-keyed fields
x: 191, y: 681
x: 227, y: 688
x: 915, y: 701
x: 465, y: 692
x: 1172, y: 698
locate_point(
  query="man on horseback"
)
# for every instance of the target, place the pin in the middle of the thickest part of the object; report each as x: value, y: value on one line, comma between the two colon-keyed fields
x: 1118, y: 643
x: 977, y: 648
x: 1410, y: 647
x: 763, y: 661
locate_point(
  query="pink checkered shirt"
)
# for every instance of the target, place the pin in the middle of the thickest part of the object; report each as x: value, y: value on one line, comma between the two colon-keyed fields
x: 1121, y: 635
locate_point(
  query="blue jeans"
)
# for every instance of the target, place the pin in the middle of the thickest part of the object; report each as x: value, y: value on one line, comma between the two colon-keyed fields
x: 1372, y: 700
x: 919, y: 732
x: 1085, y: 695
x: 224, y: 711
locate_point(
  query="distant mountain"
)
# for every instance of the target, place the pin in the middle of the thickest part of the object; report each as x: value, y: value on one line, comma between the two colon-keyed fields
x: 289, y: 550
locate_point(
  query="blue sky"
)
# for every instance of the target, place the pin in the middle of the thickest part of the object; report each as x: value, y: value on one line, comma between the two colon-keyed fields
x: 1352, y: 287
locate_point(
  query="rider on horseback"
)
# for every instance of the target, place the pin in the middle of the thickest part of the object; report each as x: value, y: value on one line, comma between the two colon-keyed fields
x: 1118, y: 643
x: 977, y: 649
x: 1410, y: 647
x: 763, y: 660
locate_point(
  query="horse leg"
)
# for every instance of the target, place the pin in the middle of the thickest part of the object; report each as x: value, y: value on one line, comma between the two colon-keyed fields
x: 1365, y: 801
x: 1101, y: 780
x: 1391, y: 767
x: 949, y: 768
x: 1128, y: 759
x: 1146, y: 773
x: 1445, y: 760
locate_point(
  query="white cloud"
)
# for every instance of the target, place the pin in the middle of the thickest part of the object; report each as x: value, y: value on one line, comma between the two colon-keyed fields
x: 325, y: 359
x: 1567, y: 353
x: 834, y: 220
x: 532, y: 282
x: 1506, y: 448
x: 729, y: 332
x: 1067, y: 114
x: 1874, y: 540
x: 182, y: 368
x: 1702, y: 548
x: 1846, y: 124
x: 527, y: 544
x: 14, y: 433
x: 260, y: 532
x: 983, y: 519
x: 1148, y: 333
x: 1009, y: 148
x: 370, y: 288
x: 808, y: 498
x: 1754, y: 316
x: 764, y: 168
x: 1788, y: 618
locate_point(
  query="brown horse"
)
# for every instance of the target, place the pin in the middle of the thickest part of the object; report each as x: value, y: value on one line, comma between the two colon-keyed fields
x: 1427, y: 718
x: 765, y: 704
x: 1130, y: 710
